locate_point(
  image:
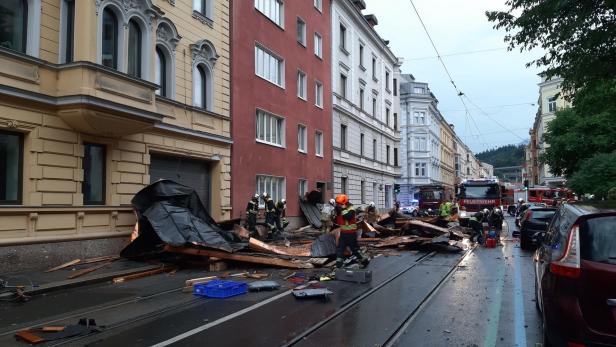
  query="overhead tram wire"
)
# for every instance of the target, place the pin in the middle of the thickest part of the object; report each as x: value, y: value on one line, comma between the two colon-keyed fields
x: 460, y: 53
x: 492, y: 119
x: 440, y: 59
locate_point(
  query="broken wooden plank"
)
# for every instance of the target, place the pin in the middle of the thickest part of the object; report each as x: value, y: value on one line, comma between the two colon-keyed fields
x: 241, y: 232
x: 401, y: 240
x: 193, y: 281
x: 142, y: 274
x: 264, y: 247
x: 29, y: 337
x: 65, y: 265
x: 317, y: 261
x: 99, y: 259
x: 217, y: 266
x: 257, y: 276
x: 53, y: 329
x: 240, y: 257
x: 428, y: 226
x: 88, y: 270
x: 368, y: 228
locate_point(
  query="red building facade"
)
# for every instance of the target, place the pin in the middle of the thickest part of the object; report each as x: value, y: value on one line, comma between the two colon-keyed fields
x: 281, y: 101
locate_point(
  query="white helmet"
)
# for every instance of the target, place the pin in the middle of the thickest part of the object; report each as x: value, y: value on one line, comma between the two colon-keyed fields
x: 485, y: 210
x: 520, y: 200
x: 264, y: 195
x: 371, y: 203
x: 332, y: 202
x: 256, y: 196
x: 283, y: 201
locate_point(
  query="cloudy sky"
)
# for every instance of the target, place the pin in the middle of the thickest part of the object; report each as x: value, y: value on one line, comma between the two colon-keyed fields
x: 493, y: 79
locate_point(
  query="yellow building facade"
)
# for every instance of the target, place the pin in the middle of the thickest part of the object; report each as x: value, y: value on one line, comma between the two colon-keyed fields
x: 99, y: 98
x: 447, y: 155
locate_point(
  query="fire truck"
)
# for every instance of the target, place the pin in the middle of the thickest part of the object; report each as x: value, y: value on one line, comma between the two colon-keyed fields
x: 549, y: 196
x: 432, y: 196
x: 477, y: 194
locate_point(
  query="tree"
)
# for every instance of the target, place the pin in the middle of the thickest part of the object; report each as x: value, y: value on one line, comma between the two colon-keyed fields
x: 597, y: 175
x: 579, y: 37
x: 580, y: 132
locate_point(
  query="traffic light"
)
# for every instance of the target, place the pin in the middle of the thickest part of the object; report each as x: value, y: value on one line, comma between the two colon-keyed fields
x: 525, y: 184
x: 396, y: 188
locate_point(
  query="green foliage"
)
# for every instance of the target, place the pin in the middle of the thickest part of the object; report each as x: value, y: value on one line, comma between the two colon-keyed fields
x: 611, y: 194
x: 509, y: 155
x: 578, y: 36
x: 582, y: 131
x: 597, y: 175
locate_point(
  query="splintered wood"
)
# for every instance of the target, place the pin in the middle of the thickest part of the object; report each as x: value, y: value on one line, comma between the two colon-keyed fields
x: 301, y: 251
x: 294, y: 264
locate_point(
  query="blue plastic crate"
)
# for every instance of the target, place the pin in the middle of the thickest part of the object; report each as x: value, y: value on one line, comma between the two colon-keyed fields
x: 220, y: 289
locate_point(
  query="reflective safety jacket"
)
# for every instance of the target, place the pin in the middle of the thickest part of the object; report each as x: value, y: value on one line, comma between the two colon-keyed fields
x: 347, y: 220
x: 270, y: 206
x: 252, y: 207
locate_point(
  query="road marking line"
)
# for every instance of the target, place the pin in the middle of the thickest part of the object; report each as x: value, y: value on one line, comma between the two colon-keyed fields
x: 495, y: 308
x: 221, y: 320
x: 518, y: 302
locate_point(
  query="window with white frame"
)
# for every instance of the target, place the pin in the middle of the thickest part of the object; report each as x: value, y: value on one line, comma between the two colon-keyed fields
x: 342, y: 38
x: 68, y: 30
x: 420, y: 143
x: 301, y: 138
x: 343, y: 185
x: 318, y: 4
x: 269, y: 66
x: 387, y: 116
x: 374, y: 68
x: 318, y: 45
x: 362, y: 188
x: 552, y: 104
x: 387, y: 154
x: 301, y: 84
x: 301, y: 31
x: 343, y: 136
x: 374, y: 149
x: 272, y: 185
x: 418, y: 90
x: 302, y: 187
x: 361, y: 56
x: 272, y: 9
x: 361, y: 144
x: 420, y: 169
x: 343, y: 85
x: 202, y: 85
x: 203, y: 7
x: 361, y: 98
x: 420, y: 117
x: 373, y: 106
x: 387, y: 80
x: 318, y: 94
x: 270, y: 128
x: 318, y: 143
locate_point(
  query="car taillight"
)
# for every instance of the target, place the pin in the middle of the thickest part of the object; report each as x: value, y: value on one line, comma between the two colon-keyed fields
x: 569, y: 264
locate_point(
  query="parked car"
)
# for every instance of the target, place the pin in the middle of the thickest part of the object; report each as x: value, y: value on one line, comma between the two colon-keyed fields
x: 534, y: 221
x: 575, y: 276
x: 523, y: 208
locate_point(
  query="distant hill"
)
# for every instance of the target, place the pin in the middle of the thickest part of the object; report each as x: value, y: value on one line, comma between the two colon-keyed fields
x: 509, y: 155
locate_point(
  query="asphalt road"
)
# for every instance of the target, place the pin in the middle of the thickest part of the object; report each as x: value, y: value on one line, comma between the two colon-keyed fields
x: 480, y: 298
x: 489, y: 301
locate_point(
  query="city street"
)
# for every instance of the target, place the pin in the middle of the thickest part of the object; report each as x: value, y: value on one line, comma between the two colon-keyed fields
x: 484, y: 297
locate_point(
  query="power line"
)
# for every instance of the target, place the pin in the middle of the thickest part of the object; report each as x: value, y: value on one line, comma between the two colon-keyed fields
x: 531, y: 104
x: 494, y: 120
x: 461, y: 53
x: 438, y: 54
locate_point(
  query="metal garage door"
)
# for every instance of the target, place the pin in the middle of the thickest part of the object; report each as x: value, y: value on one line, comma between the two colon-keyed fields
x: 189, y: 172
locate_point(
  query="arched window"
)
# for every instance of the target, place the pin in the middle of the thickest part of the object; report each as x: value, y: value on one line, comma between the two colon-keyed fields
x: 14, y: 24
x: 110, y: 39
x: 201, y: 87
x: 161, y: 72
x: 134, y: 49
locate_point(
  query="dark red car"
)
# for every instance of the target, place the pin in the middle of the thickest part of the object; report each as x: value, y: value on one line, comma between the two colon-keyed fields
x: 575, y: 276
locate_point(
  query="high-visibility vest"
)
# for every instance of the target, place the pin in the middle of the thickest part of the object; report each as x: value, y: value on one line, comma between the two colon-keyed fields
x: 346, y: 226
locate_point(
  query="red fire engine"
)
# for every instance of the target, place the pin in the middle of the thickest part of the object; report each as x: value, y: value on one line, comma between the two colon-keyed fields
x: 477, y: 194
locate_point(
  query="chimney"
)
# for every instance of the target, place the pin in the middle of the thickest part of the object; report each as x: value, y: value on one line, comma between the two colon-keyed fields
x: 360, y: 4
x: 371, y: 19
x: 452, y: 126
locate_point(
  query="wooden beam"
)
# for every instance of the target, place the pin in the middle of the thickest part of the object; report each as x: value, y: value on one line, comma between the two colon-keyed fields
x: 99, y: 259
x: 199, y: 280
x: 429, y: 226
x: 240, y: 257
x: 29, y: 337
x: 65, y: 265
x: 291, y: 251
x: 88, y: 270
x: 142, y: 274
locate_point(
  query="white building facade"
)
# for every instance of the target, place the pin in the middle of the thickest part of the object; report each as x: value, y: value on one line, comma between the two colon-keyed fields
x: 420, y: 132
x: 365, y: 140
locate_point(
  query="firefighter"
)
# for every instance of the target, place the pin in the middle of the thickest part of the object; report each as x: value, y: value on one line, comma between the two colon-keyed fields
x: 270, y: 215
x: 445, y: 209
x: 346, y: 218
x: 371, y: 215
x: 281, y: 221
x: 252, y: 210
x: 476, y: 223
x: 327, y: 215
